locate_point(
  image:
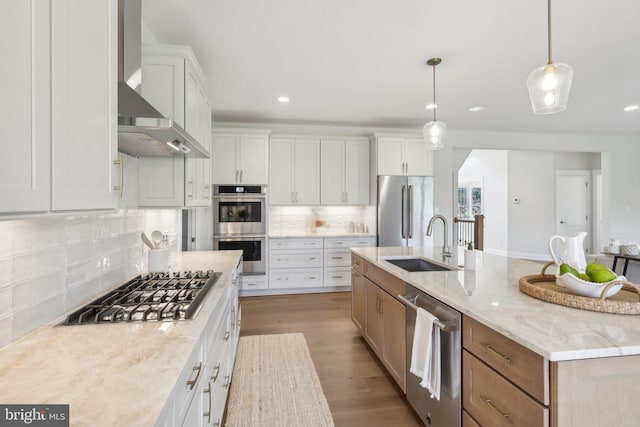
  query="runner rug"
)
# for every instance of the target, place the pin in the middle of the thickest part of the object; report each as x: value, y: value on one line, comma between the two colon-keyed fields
x: 276, y: 385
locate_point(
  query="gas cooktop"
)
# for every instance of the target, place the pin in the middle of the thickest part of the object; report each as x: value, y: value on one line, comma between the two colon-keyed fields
x: 150, y: 297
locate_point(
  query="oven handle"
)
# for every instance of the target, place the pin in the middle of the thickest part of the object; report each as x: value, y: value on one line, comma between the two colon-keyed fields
x: 237, y: 237
x: 239, y: 199
x: 445, y: 326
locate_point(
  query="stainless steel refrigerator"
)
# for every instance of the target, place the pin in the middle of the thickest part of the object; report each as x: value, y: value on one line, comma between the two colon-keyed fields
x: 405, y: 205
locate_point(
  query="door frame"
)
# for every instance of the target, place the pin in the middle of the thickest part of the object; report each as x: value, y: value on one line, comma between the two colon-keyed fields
x: 586, y: 173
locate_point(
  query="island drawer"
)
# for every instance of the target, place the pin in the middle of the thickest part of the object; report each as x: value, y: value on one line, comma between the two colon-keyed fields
x: 528, y: 370
x: 357, y: 263
x: 493, y: 401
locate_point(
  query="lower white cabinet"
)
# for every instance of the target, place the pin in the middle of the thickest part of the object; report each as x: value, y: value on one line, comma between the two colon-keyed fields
x: 312, y: 263
x: 251, y: 282
x: 200, y: 394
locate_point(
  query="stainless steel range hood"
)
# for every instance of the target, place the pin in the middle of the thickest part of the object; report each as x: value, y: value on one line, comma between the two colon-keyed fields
x: 142, y: 130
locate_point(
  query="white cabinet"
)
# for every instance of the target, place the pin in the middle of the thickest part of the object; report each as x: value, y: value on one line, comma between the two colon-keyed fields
x: 337, y: 258
x: 172, y: 83
x: 403, y: 156
x: 60, y: 103
x: 295, y: 263
x: 300, y: 264
x: 344, y: 171
x: 25, y: 180
x: 239, y: 156
x: 294, y: 171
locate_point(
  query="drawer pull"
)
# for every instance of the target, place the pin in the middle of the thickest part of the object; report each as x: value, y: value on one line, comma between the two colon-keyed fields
x: 337, y: 257
x: 310, y: 278
x: 310, y: 259
x: 216, y: 369
x: 192, y: 383
x: 227, y: 381
x: 227, y: 335
x: 336, y: 277
x: 495, y: 353
x: 493, y: 407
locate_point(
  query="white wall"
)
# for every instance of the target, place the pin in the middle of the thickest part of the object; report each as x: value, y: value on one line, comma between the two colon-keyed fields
x: 491, y: 166
x: 621, y: 198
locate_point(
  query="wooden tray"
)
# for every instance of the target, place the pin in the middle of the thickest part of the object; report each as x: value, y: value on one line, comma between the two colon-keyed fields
x: 543, y: 287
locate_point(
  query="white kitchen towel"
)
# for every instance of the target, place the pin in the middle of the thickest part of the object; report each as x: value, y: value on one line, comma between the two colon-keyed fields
x: 425, y: 355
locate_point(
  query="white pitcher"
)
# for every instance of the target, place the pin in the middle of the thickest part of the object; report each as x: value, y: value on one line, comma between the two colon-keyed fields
x: 572, y: 250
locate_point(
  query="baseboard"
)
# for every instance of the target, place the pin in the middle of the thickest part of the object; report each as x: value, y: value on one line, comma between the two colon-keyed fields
x: 293, y: 291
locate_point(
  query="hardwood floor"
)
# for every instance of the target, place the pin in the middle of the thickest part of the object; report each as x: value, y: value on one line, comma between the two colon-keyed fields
x: 357, y: 387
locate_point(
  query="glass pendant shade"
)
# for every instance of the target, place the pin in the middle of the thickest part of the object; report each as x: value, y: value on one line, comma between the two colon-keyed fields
x: 549, y: 88
x: 434, y: 134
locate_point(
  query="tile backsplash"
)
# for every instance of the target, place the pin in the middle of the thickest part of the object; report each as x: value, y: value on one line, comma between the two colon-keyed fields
x: 297, y: 219
x: 52, y: 264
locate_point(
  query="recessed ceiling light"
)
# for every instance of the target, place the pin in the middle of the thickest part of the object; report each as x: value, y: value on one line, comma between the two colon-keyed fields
x: 477, y: 108
x: 430, y: 106
x: 283, y: 99
x: 631, y: 107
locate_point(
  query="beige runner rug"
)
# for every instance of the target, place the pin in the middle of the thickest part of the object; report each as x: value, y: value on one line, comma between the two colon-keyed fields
x: 276, y: 385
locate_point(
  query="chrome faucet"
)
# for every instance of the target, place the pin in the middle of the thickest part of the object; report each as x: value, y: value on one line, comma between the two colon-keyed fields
x: 445, y: 247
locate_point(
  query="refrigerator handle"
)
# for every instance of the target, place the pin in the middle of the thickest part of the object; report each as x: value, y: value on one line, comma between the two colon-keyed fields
x: 404, y: 211
x: 410, y: 211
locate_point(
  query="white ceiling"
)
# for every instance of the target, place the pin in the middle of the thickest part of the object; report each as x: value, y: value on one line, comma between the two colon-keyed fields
x: 362, y: 62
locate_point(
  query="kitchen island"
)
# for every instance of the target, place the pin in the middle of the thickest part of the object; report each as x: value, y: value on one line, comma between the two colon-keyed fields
x: 126, y: 373
x: 589, y: 362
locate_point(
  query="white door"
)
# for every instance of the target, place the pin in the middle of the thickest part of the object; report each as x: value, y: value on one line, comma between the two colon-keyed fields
x: 224, y: 169
x: 356, y: 179
x: 573, y: 200
x: 417, y: 158
x: 281, y: 171
x: 84, y: 104
x: 332, y: 164
x: 390, y: 160
x: 24, y: 107
x: 253, y: 159
x: 307, y: 171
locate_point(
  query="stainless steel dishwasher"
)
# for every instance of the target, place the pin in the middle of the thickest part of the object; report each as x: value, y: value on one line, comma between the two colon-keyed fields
x: 445, y: 412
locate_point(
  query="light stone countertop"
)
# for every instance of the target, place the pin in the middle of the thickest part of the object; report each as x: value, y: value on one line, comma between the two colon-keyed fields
x: 490, y: 294
x: 110, y: 375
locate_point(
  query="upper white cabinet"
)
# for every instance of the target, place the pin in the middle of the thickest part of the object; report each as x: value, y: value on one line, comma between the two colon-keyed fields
x: 172, y: 83
x: 60, y: 98
x: 403, y: 156
x: 25, y: 180
x: 239, y: 156
x: 344, y: 171
x: 294, y: 171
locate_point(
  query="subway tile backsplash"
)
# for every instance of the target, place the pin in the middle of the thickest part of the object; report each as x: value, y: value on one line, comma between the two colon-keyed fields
x: 51, y: 265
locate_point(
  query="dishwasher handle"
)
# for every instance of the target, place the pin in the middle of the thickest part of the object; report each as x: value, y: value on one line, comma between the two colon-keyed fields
x: 410, y: 300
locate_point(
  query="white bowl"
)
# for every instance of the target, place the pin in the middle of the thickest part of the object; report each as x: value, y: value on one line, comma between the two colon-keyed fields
x: 588, y: 289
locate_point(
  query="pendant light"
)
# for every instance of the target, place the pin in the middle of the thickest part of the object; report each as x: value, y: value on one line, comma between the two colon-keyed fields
x: 434, y: 131
x: 550, y: 84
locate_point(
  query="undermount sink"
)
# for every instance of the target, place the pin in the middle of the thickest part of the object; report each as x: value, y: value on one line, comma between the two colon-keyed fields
x: 417, y: 264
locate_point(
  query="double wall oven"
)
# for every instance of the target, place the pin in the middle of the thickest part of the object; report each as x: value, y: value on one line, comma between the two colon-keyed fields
x: 240, y: 223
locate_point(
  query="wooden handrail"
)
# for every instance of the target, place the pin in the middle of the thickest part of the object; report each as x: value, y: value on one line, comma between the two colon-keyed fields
x: 470, y: 231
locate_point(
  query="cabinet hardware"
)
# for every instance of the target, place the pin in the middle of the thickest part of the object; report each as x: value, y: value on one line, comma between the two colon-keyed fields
x: 336, y: 277
x: 208, y: 413
x: 493, y: 407
x: 241, y: 173
x: 310, y: 278
x: 227, y: 381
x: 216, y: 370
x: 207, y: 192
x: 310, y: 259
x: 497, y: 354
x: 309, y: 244
x: 227, y: 335
x: 216, y: 424
x: 197, y: 370
x: 191, y: 188
x: 120, y: 163
x: 237, y: 175
x: 336, y: 257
